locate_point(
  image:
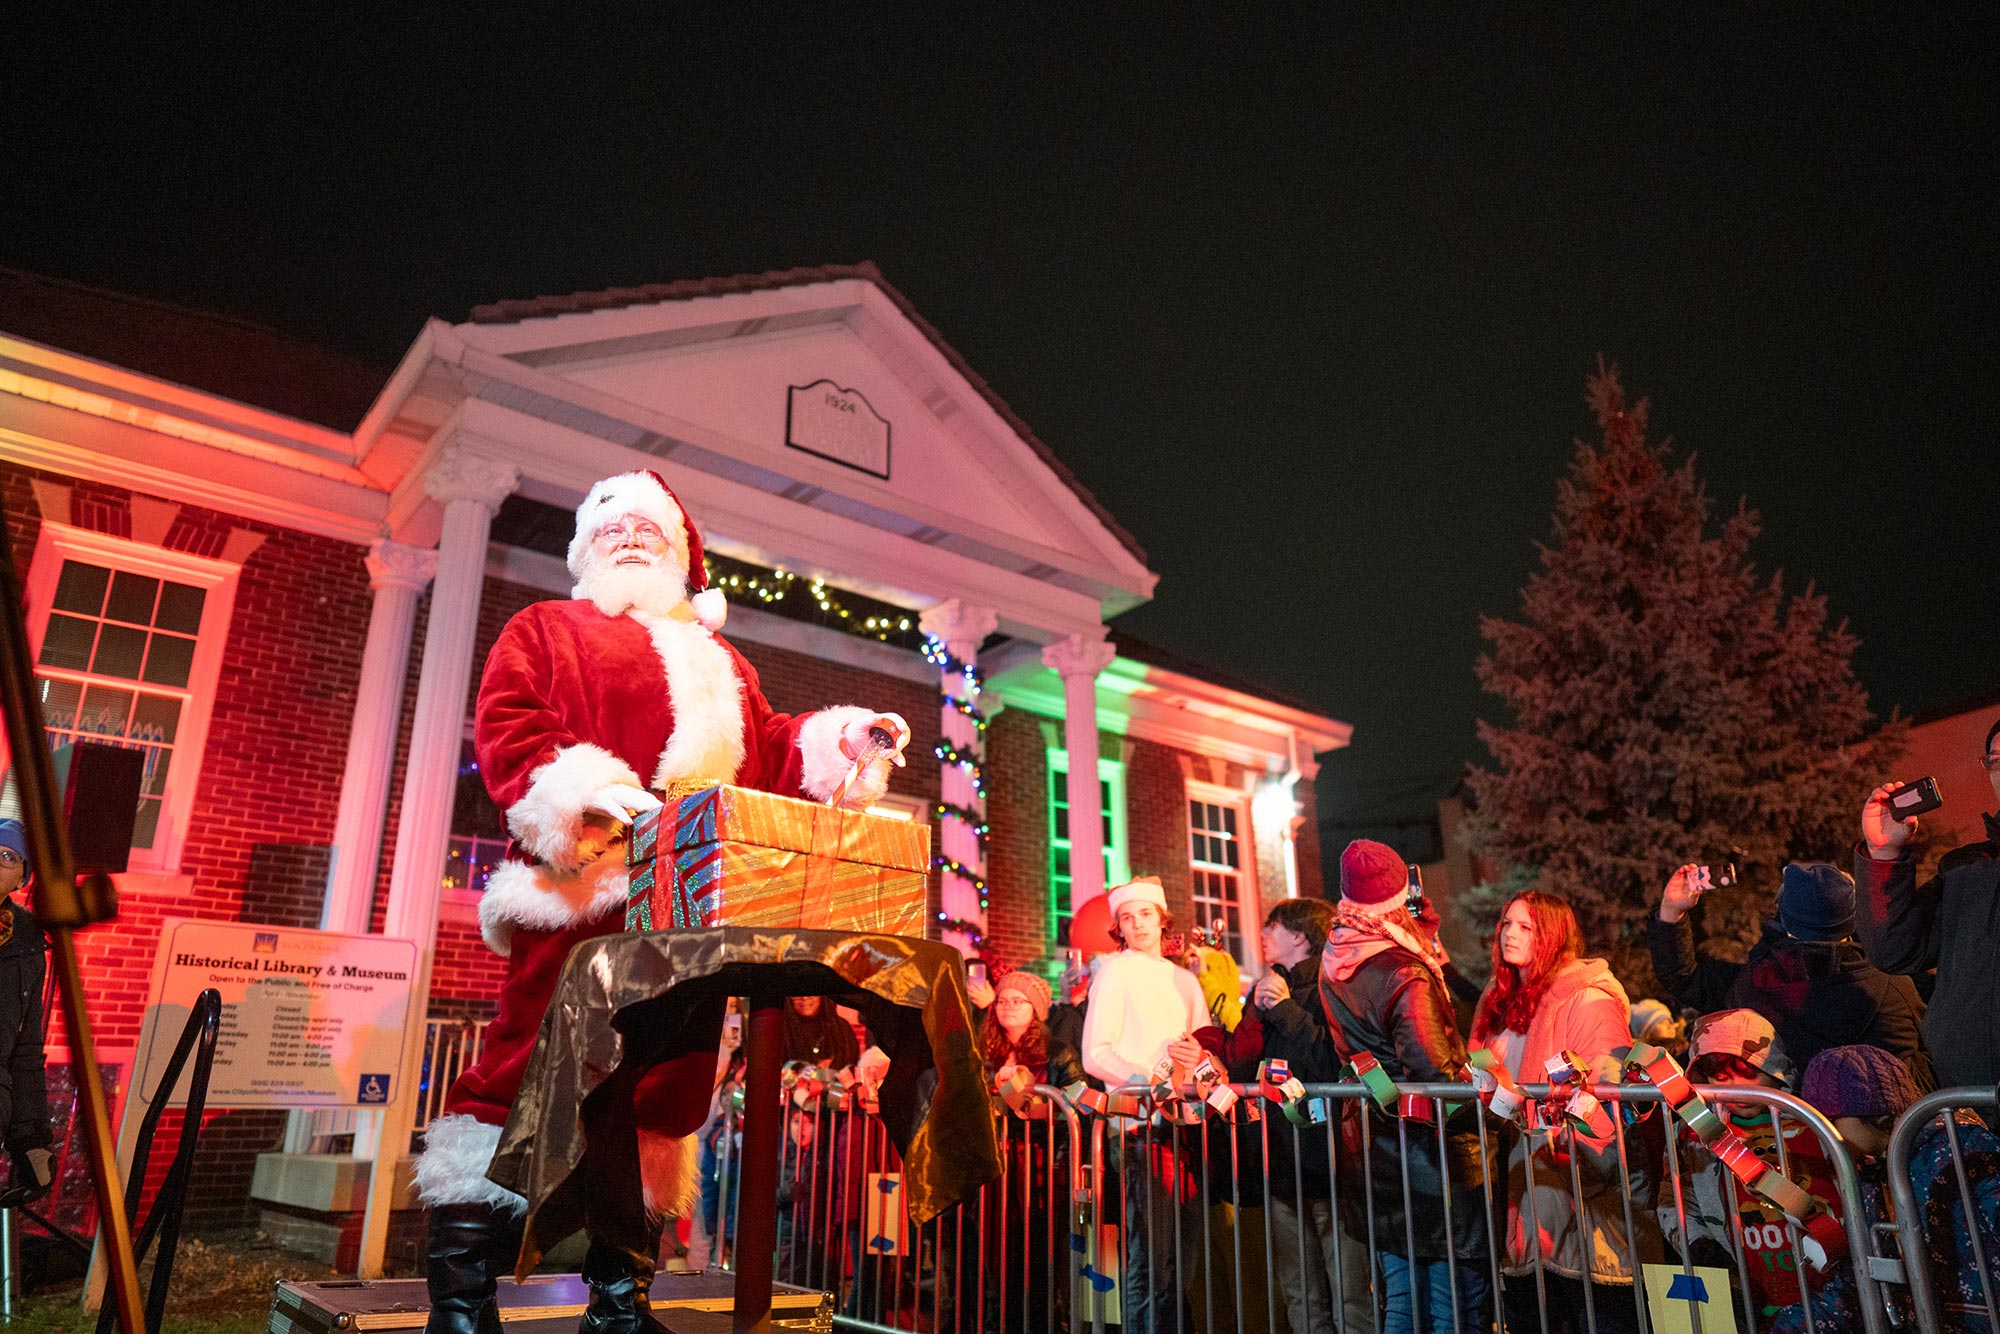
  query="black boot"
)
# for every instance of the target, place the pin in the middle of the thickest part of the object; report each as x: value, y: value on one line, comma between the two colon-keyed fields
x: 471, y: 1247
x: 620, y: 1279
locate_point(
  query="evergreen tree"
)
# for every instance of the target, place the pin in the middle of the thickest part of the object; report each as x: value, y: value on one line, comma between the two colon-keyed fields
x: 1669, y: 705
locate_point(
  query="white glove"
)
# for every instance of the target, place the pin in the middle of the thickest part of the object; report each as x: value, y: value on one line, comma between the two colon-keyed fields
x: 621, y: 802
x: 855, y: 739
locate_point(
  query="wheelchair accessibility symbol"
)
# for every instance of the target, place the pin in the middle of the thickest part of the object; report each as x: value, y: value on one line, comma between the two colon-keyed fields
x: 374, y: 1089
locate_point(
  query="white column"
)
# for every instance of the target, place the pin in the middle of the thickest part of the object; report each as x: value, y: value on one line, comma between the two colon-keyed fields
x: 470, y: 489
x: 398, y: 574
x: 1078, y: 659
x: 960, y: 629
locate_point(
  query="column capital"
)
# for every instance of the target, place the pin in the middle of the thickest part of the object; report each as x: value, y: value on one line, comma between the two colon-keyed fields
x: 958, y: 625
x: 396, y: 565
x: 458, y: 475
x: 1079, y: 655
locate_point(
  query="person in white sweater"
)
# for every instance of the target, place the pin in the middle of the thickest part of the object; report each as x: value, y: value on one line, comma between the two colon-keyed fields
x: 1144, y: 1007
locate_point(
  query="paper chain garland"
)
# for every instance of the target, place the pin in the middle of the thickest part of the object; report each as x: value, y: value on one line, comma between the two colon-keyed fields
x: 852, y: 1088
x: 1569, y: 1105
x: 1825, y: 1240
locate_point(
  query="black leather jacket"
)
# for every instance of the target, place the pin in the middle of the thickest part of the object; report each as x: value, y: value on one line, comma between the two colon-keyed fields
x: 1394, y: 1008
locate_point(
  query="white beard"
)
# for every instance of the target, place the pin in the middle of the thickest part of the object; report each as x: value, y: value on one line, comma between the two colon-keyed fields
x: 654, y: 588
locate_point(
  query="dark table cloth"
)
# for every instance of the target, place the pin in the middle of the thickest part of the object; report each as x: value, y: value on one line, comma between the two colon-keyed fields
x: 632, y: 1004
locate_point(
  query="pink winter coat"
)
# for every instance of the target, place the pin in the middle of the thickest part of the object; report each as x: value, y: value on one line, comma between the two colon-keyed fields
x: 1584, y: 1011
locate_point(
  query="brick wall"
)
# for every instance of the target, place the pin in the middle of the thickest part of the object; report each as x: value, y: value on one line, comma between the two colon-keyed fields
x: 264, y: 804
x: 1017, y: 850
x: 1156, y: 822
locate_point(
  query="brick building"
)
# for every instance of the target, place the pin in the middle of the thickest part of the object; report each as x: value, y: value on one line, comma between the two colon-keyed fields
x: 278, y: 572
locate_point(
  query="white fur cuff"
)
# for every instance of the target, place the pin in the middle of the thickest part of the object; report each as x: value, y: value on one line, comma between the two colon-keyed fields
x: 825, y: 768
x: 452, y: 1170
x: 534, y: 897
x: 669, y: 1173
x: 547, y: 819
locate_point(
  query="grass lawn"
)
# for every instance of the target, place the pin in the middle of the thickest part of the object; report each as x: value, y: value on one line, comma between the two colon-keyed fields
x: 220, y: 1286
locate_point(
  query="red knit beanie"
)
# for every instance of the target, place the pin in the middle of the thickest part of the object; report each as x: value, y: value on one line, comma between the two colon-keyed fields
x: 1372, y: 872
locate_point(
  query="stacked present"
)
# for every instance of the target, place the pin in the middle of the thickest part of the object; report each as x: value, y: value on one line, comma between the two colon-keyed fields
x: 727, y: 856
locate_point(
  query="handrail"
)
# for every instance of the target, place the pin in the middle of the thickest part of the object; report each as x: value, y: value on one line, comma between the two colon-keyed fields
x: 163, y: 1220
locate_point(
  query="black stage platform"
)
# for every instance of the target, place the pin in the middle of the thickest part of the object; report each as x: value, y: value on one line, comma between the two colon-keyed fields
x: 545, y: 1304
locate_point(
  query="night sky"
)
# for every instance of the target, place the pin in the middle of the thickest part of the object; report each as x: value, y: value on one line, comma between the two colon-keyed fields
x: 1307, y: 304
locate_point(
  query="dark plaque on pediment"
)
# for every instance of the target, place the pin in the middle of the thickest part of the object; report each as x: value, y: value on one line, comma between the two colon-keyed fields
x: 839, y: 425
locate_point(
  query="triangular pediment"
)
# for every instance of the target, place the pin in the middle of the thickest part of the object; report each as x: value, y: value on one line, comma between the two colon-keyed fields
x: 833, y: 388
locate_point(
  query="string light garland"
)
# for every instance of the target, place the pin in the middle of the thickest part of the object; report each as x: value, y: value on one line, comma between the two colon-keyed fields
x: 798, y: 597
x: 970, y: 761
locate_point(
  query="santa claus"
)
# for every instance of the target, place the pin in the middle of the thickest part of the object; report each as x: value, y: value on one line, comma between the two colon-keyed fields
x: 589, y: 711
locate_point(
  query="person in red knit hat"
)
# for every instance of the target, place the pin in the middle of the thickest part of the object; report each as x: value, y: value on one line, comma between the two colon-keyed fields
x: 587, y: 709
x: 1382, y: 981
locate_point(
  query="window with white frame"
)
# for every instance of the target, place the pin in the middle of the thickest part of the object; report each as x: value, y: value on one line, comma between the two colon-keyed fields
x: 1111, y: 812
x: 128, y: 642
x: 1220, y: 866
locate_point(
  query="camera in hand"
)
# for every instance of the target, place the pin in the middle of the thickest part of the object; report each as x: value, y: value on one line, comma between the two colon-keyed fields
x: 1913, y: 799
x: 1704, y: 878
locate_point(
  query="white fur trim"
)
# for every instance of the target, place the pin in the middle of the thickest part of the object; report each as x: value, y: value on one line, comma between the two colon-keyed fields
x: 707, y: 699
x: 632, y: 494
x: 669, y: 1174
x: 826, y: 767
x: 548, y: 817
x: 1146, y: 889
x: 711, y: 608
x: 535, y: 897
x: 452, y: 1170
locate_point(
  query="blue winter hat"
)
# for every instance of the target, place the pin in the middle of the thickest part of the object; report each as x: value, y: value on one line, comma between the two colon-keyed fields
x: 14, y: 836
x: 1816, y: 902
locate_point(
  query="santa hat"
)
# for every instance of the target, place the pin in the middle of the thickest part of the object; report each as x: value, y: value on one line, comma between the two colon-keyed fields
x: 1373, y: 875
x: 646, y: 495
x: 1146, y: 889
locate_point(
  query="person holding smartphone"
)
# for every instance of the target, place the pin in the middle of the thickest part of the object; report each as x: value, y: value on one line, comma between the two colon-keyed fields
x: 1951, y: 922
x: 24, y: 1089
x: 1806, y: 974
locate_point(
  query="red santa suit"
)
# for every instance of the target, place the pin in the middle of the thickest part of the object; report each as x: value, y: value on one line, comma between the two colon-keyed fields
x: 573, y: 701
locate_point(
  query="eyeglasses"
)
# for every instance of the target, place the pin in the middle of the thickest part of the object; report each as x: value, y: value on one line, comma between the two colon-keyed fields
x: 646, y: 534
x: 9, y: 857
x: 1990, y: 763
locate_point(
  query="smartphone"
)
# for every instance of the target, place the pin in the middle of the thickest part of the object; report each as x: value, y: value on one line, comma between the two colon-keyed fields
x: 1719, y: 876
x: 975, y: 971
x: 1413, y: 896
x: 1913, y: 799
x: 1073, y: 958
x: 733, y: 1025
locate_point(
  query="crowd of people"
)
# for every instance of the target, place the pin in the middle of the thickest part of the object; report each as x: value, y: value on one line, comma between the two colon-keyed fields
x: 1863, y: 992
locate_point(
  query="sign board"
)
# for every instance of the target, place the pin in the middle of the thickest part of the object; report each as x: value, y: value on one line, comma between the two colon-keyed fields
x: 1681, y: 1303
x: 310, y: 1019
x: 839, y: 425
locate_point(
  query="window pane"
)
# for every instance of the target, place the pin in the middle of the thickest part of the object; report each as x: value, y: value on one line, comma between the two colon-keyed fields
x: 59, y: 701
x: 1229, y: 820
x: 158, y: 760
x: 105, y: 712
x: 169, y: 660
x: 81, y: 588
x: 132, y: 598
x: 67, y: 643
x: 180, y: 608
x: 1062, y: 823
x: 157, y: 718
x: 147, y: 827
x: 119, y: 651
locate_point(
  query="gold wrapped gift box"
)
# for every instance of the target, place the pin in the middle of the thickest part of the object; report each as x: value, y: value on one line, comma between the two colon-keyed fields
x: 728, y: 856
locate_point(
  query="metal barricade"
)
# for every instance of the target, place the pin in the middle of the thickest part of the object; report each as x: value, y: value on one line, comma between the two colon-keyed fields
x: 1099, y: 1222
x: 1932, y: 1123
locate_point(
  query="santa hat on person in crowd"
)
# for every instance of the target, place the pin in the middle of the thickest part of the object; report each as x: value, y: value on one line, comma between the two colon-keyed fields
x: 646, y: 495
x: 1373, y: 877
x: 1146, y: 889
